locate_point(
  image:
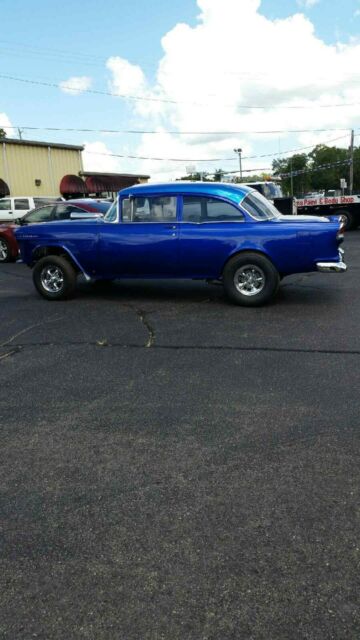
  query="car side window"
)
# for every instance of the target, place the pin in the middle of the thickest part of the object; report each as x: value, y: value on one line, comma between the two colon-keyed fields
x: 21, y: 204
x: 200, y: 209
x: 63, y: 211
x: 5, y: 204
x: 153, y: 209
x: 39, y: 215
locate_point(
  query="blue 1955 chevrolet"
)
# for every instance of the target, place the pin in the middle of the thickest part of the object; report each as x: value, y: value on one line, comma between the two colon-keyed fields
x: 210, y: 231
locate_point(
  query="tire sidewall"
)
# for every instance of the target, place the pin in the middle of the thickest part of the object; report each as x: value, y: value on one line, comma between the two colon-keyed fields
x: 350, y: 219
x: 270, y: 288
x: 68, y: 273
x: 8, y: 256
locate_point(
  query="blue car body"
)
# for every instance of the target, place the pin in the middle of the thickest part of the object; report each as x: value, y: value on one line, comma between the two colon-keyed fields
x: 118, y: 247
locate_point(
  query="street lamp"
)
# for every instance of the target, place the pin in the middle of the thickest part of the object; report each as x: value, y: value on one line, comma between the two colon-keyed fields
x: 239, y: 151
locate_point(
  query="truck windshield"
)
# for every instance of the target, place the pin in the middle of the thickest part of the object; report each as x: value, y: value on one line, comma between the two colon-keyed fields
x: 259, y: 207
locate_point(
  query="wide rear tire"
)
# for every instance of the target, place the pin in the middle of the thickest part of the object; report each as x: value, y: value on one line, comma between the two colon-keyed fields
x: 351, y: 221
x: 250, y: 279
x: 54, y: 278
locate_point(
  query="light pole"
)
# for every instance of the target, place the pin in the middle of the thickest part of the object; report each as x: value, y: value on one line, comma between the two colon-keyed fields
x: 239, y: 151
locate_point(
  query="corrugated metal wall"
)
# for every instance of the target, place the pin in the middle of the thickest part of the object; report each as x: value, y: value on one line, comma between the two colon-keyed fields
x: 21, y: 165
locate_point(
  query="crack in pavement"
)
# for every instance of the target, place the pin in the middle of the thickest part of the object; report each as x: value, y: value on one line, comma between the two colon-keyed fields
x: 142, y: 315
x: 10, y: 353
x: 32, y: 326
x: 120, y: 345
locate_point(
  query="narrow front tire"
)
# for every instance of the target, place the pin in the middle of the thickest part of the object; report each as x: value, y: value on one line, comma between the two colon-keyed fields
x: 54, y: 278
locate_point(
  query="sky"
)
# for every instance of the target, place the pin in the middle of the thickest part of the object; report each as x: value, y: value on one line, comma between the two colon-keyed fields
x: 200, y: 77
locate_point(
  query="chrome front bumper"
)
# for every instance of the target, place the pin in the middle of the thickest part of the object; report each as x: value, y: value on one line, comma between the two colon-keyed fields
x: 336, y: 267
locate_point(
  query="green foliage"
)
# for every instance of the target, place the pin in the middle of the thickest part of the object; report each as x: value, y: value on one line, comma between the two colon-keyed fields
x: 196, y: 177
x: 317, y: 179
x: 2, y: 133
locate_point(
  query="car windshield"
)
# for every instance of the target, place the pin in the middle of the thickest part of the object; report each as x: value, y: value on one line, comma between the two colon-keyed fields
x: 111, y: 214
x: 259, y: 207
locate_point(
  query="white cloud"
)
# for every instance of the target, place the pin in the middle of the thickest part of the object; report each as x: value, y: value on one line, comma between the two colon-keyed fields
x: 95, y: 158
x: 76, y: 84
x: 307, y: 4
x: 5, y: 123
x: 212, y: 69
x: 128, y: 79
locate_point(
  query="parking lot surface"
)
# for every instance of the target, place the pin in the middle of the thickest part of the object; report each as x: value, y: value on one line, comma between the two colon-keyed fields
x: 175, y: 467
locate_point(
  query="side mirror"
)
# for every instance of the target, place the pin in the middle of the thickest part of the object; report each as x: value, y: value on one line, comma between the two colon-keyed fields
x: 85, y: 215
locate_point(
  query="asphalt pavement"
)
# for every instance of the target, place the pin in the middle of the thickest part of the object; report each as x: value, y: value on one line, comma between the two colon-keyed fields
x: 176, y: 467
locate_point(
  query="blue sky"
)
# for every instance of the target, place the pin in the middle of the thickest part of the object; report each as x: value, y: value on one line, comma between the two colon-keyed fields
x: 55, y: 41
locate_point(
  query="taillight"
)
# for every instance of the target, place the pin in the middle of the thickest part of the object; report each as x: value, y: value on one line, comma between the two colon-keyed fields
x: 342, y: 227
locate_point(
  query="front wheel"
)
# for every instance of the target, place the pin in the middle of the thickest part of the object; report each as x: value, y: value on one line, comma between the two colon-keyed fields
x: 250, y: 279
x: 54, y: 278
x: 5, y: 253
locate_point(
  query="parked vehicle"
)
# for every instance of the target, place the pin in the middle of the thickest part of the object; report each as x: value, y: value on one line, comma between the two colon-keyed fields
x: 197, y: 230
x: 318, y: 204
x: 12, y: 209
x: 85, y: 207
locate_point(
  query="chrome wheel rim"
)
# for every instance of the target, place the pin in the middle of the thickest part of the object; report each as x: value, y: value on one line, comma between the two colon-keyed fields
x: 4, y: 251
x: 249, y: 280
x: 52, y: 279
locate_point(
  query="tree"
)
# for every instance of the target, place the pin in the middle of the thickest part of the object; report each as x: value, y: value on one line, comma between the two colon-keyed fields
x: 328, y: 178
x: 218, y: 175
x: 299, y: 183
x: 2, y: 133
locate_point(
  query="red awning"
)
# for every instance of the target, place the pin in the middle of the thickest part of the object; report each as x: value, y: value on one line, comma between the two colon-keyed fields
x: 4, y: 189
x: 108, y: 183
x: 72, y: 184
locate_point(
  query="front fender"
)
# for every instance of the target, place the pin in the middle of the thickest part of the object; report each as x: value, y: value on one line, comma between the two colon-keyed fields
x: 63, y: 249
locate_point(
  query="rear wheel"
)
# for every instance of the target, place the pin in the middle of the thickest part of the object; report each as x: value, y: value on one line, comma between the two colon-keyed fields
x: 5, y: 253
x: 351, y: 222
x: 54, y: 278
x: 250, y: 279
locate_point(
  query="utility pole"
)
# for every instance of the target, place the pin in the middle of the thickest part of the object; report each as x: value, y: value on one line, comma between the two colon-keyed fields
x: 20, y: 131
x: 351, y: 181
x: 239, y: 152
x: 291, y: 178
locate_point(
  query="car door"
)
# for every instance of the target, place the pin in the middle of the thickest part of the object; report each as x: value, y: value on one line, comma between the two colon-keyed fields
x: 143, y: 242
x: 209, y: 231
x: 6, y: 212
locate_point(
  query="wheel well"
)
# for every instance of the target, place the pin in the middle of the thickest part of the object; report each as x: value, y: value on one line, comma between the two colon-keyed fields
x: 42, y: 252
x: 239, y: 253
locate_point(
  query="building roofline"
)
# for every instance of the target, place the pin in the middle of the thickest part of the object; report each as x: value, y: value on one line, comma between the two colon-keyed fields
x: 37, y: 143
x: 88, y: 174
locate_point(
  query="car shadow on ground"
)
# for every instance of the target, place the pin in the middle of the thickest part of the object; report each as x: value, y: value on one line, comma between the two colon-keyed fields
x: 303, y: 292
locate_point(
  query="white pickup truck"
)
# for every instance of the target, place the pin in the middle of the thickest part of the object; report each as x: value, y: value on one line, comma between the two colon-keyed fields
x: 12, y: 209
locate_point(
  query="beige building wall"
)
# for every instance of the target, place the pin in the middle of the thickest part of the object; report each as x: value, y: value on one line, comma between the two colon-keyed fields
x: 21, y: 165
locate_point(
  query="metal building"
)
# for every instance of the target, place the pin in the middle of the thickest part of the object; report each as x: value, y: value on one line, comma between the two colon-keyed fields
x: 31, y: 168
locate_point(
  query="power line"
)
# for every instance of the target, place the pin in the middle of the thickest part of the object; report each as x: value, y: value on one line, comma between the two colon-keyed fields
x: 174, y: 132
x: 136, y: 157
x: 168, y: 101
